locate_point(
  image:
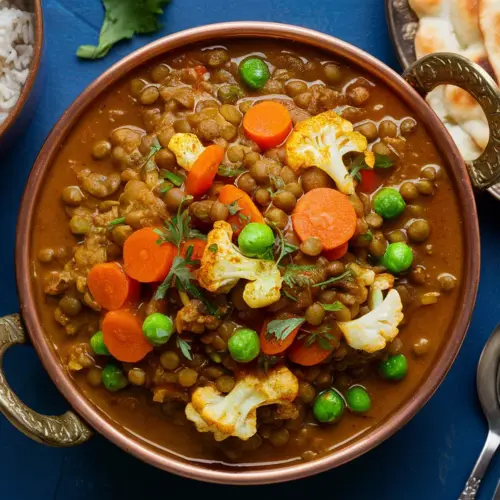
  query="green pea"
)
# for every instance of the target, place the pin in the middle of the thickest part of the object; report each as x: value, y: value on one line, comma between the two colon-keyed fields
x: 158, y: 328
x: 244, y: 345
x: 113, y: 378
x: 97, y: 344
x: 398, y: 257
x: 358, y: 399
x: 255, y: 239
x: 328, y: 406
x: 389, y: 203
x: 254, y: 72
x: 394, y: 367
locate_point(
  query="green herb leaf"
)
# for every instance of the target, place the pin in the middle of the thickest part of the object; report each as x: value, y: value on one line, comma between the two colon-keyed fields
x: 297, y: 275
x: 322, y: 337
x: 336, y: 306
x: 281, y: 328
x: 285, y: 248
x: 185, y: 348
x: 175, y: 179
x: 227, y: 171
x: 117, y: 222
x: 167, y: 186
x: 233, y: 208
x: 368, y: 236
x: 383, y: 161
x: 213, y: 248
x: 264, y: 362
x: 277, y: 182
x: 289, y: 295
x: 122, y: 20
x: 244, y: 217
x: 346, y: 275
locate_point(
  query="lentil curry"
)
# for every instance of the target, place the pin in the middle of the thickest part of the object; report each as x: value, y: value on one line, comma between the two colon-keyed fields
x: 248, y: 257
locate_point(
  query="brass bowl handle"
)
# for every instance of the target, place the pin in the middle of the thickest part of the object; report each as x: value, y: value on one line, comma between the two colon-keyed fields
x: 66, y: 430
x: 446, y: 68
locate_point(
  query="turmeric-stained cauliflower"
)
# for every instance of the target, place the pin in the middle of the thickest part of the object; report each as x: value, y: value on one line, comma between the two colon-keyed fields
x: 222, y: 266
x: 322, y: 141
x: 186, y: 148
x: 372, y: 331
x: 235, y: 414
x: 191, y: 318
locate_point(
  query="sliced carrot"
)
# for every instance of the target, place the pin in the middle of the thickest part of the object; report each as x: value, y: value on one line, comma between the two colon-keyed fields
x: 336, y: 253
x: 110, y: 287
x: 326, y: 214
x: 311, y: 355
x: 249, y: 212
x: 204, y: 170
x: 369, y: 181
x: 271, y: 346
x: 123, y: 336
x: 144, y: 259
x: 267, y: 123
x: 198, y: 248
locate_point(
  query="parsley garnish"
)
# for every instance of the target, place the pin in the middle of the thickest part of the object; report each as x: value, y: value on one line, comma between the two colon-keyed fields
x: 289, y: 295
x: 368, y: 236
x: 178, y: 228
x: 185, y: 348
x: 383, y: 161
x: 175, y: 179
x: 346, y: 275
x: 213, y: 248
x: 297, y: 275
x: 322, y: 337
x: 153, y: 149
x: 122, y: 20
x: 117, y: 222
x: 336, y: 306
x: 281, y: 328
x: 265, y: 361
x: 285, y: 248
x: 227, y: 171
x: 277, y: 182
x: 233, y: 208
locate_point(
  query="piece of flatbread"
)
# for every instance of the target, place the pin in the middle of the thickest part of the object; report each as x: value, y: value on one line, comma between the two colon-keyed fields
x: 489, y: 22
x: 453, y: 26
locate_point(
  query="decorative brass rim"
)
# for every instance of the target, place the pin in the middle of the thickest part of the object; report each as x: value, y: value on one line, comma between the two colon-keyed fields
x: 286, y: 472
x: 403, y: 24
x: 63, y: 431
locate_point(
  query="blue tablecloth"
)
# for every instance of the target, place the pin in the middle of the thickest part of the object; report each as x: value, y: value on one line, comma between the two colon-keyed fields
x: 430, y: 458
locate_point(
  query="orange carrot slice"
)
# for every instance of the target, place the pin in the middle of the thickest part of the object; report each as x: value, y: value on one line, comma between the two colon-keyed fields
x: 311, y: 355
x: 204, y: 170
x: 249, y: 212
x: 271, y: 346
x: 267, y: 123
x: 326, y: 214
x: 110, y: 287
x: 336, y: 253
x: 123, y: 336
x: 144, y: 259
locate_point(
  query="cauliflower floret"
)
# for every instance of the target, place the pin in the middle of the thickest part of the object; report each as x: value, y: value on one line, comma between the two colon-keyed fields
x: 236, y: 413
x: 186, y: 148
x: 372, y: 331
x: 383, y: 281
x: 322, y: 141
x: 222, y: 266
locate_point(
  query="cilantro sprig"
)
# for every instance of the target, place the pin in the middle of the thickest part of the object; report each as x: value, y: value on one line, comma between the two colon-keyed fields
x: 122, y: 20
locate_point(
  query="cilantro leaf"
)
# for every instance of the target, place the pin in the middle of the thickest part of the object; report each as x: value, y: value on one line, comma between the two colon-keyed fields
x: 122, y: 20
x: 227, y: 171
x: 383, y: 161
x: 297, y: 275
x: 233, y: 208
x: 336, y: 306
x: 346, y: 275
x: 213, y: 248
x: 185, y: 348
x: 281, y: 328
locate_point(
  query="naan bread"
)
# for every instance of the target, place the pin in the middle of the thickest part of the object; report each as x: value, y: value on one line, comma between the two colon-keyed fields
x: 453, y: 26
x: 489, y: 22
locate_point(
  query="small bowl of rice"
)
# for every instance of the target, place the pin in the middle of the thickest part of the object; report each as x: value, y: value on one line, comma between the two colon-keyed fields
x: 21, y: 41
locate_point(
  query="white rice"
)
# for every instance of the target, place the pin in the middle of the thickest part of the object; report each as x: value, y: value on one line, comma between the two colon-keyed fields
x: 17, y: 38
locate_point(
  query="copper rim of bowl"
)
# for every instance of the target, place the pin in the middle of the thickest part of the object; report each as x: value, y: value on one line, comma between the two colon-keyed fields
x: 33, y: 70
x: 370, y: 439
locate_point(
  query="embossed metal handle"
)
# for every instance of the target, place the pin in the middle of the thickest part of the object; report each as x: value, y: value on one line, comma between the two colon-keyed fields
x: 66, y: 430
x: 476, y: 476
x: 446, y: 68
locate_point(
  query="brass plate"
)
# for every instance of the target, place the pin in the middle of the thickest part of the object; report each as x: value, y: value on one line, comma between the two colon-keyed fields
x: 403, y: 24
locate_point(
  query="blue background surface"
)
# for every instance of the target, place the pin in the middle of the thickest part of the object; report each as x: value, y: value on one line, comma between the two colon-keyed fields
x: 430, y: 458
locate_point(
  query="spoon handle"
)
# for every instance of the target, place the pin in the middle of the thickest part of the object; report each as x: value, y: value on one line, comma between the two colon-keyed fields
x: 472, y: 484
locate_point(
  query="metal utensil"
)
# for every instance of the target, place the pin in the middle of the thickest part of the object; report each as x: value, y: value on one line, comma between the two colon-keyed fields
x: 487, y: 382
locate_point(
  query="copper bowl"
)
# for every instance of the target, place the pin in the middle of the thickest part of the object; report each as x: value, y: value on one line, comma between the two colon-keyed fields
x: 18, y: 118
x: 69, y: 429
